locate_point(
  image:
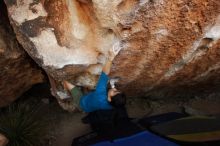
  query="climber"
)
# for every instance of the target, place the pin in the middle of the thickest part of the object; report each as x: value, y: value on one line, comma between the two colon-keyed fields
x: 101, y: 98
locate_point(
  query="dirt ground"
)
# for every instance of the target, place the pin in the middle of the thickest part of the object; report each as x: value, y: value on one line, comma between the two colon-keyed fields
x: 65, y: 126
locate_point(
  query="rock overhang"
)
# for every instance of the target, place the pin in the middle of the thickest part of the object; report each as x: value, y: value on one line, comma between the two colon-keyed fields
x: 163, y: 43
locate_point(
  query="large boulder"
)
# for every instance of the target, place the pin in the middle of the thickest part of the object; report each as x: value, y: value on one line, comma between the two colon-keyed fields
x: 18, y: 72
x: 168, y: 48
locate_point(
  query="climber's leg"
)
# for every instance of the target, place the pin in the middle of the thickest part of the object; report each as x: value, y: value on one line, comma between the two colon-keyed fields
x: 76, y: 94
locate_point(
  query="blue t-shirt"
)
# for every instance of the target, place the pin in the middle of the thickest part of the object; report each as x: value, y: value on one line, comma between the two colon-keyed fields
x: 97, y: 99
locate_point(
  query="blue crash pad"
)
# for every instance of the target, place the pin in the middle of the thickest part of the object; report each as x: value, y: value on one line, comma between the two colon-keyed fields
x: 144, y: 138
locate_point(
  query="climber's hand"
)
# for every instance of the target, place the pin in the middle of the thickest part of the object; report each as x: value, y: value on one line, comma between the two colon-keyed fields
x: 114, y: 51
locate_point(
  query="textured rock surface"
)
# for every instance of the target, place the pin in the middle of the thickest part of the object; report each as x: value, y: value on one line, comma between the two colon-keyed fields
x: 17, y: 71
x: 168, y: 48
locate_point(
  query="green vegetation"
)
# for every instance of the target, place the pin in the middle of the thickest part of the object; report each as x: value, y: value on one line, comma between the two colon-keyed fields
x: 23, y: 124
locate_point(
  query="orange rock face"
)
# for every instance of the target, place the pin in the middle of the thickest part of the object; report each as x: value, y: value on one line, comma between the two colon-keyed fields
x: 168, y: 48
x: 17, y: 71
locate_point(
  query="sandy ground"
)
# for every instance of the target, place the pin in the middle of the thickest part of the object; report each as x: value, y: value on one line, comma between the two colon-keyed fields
x: 68, y: 128
x: 62, y: 126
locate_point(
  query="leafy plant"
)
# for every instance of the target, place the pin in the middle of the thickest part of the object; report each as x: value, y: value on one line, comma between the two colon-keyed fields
x: 22, y: 124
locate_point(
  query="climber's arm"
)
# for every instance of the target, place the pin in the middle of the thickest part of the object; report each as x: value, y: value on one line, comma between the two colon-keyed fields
x: 107, y: 67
